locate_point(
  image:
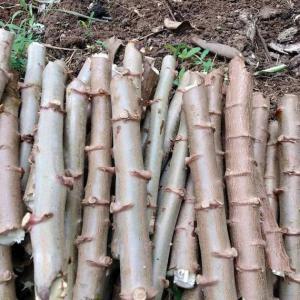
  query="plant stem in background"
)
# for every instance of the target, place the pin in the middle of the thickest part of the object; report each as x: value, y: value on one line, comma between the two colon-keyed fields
x: 130, y: 203
x: 289, y: 160
x: 173, y: 117
x: 30, y: 96
x: 272, y: 167
x: 260, y: 116
x: 216, y: 252
x: 74, y: 143
x: 133, y: 62
x: 184, y: 258
x: 217, y: 48
x: 169, y: 207
x: 92, y: 243
x: 154, y: 149
x: 46, y: 223
x: 214, y: 84
x: 10, y: 172
x: 243, y: 210
x: 6, y: 41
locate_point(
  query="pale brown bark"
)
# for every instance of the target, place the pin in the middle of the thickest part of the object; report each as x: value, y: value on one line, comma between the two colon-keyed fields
x: 7, y: 276
x: 242, y: 195
x: 216, y: 252
x: 168, y: 210
x: 277, y: 259
x: 10, y: 172
x: 260, y: 117
x: 46, y: 223
x: 130, y: 204
x: 74, y: 143
x: 289, y: 149
x: 92, y: 243
x: 133, y: 62
x: 173, y: 117
x: 30, y: 96
x: 154, y: 149
x: 272, y: 167
x: 6, y: 41
x: 184, y: 264
x: 217, y: 48
x: 214, y: 85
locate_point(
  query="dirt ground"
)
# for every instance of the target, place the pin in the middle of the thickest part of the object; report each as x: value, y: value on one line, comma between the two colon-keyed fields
x: 216, y: 20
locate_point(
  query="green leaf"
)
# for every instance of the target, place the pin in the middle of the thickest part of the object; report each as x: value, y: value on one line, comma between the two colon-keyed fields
x: 207, y: 65
x: 176, y: 82
x: 204, y: 54
x: 16, y: 14
x: 192, y: 52
x: 171, y: 49
x: 183, y: 54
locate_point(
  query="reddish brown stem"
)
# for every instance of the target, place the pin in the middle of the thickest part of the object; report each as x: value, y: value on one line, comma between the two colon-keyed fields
x: 242, y: 196
x: 10, y: 171
x: 216, y: 252
x: 92, y: 243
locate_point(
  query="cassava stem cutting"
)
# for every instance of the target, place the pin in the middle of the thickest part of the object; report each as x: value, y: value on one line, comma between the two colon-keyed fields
x: 168, y: 210
x: 131, y: 178
x: 10, y: 172
x: 92, y: 243
x: 74, y: 143
x: 6, y: 41
x: 289, y: 160
x: 154, y: 149
x: 243, y: 201
x: 46, y: 223
x: 184, y: 263
x: 216, y: 252
x: 30, y: 96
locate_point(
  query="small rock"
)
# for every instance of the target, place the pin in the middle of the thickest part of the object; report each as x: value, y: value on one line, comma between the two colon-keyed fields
x: 287, y: 35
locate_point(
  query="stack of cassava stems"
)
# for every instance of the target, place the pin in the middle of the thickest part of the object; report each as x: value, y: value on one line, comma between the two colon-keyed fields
x: 179, y: 190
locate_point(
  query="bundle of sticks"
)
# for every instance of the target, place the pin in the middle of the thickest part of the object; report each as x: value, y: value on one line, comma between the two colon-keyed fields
x: 181, y: 192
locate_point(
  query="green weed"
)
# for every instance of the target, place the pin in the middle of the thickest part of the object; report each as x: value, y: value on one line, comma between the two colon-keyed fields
x: 87, y: 24
x: 192, y: 56
x: 25, y: 34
